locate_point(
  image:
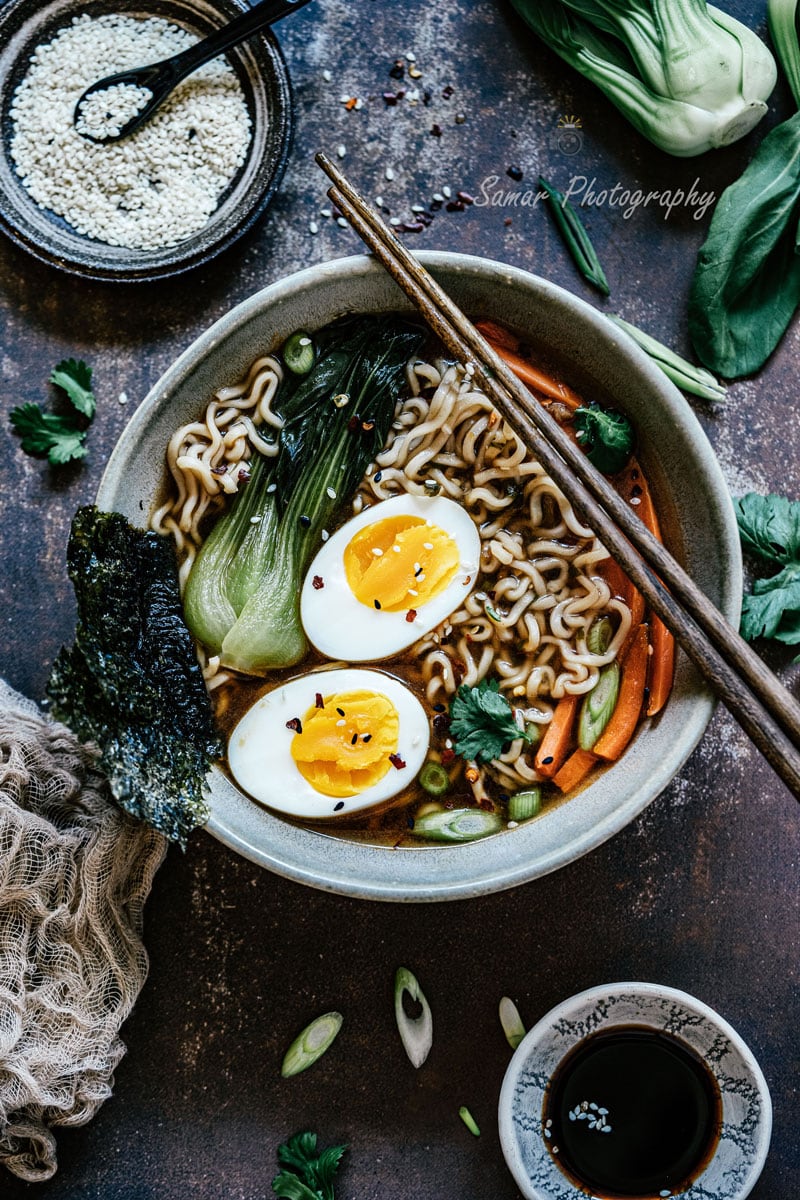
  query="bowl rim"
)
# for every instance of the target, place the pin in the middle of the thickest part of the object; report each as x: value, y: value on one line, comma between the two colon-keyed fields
x: 398, y: 882
x: 182, y: 258
x: 566, y: 1009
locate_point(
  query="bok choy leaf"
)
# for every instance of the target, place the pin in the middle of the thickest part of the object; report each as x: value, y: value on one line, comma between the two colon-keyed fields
x: 242, y: 595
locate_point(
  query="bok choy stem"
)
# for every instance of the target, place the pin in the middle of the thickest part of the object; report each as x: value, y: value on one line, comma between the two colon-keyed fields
x: 242, y: 595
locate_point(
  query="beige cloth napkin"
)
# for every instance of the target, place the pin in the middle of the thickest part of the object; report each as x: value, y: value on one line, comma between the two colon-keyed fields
x: 75, y: 872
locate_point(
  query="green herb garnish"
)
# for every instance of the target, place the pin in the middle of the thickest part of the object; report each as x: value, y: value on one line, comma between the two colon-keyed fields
x: 307, y: 1175
x: 457, y: 825
x: 770, y: 529
x: 61, y: 438
x: 482, y: 722
x: 606, y: 435
x: 576, y: 239
x: 469, y: 1121
x: 511, y: 1022
x: 416, y: 1032
x: 75, y: 378
x: 45, y: 433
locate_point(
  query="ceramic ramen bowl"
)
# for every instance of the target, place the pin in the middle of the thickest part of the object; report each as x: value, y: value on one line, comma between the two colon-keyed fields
x: 264, y: 80
x: 693, y: 500
x: 746, y: 1109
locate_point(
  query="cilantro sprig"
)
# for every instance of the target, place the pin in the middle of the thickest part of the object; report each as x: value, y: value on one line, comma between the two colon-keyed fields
x: 606, y: 435
x: 769, y: 527
x: 306, y: 1175
x: 482, y: 722
x: 60, y: 438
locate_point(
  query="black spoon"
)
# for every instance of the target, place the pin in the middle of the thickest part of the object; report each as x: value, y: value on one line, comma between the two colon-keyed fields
x: 160, y: 78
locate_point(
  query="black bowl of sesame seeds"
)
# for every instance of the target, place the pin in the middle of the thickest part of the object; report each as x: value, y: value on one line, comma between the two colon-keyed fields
x: 189, y: 183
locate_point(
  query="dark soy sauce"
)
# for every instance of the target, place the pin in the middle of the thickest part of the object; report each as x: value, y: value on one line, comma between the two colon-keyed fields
x: 631, y: 1112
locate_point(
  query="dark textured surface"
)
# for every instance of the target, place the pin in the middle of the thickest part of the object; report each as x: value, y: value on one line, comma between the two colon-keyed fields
x: 700, y: 893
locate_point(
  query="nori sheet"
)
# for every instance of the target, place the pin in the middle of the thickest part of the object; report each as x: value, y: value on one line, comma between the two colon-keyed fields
x: 131, y: 681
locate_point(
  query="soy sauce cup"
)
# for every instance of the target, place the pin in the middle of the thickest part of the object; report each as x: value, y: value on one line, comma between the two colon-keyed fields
x: 595, y: 1037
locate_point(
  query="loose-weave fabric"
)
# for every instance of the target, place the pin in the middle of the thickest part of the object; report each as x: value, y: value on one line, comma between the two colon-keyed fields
x: 75, y: 872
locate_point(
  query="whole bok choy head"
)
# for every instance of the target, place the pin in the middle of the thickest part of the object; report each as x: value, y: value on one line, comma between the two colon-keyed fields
x: 686, y: 75
x: 242, y: 595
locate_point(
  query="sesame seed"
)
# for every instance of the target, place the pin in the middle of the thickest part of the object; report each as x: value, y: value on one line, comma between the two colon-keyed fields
x: 123, y: 398
x: 342, y: 221
x: 341, y: 150
x: 427, y: 545
x: 324, y: 535
x: 326, y: 212
x: 379, y: 201
x: 339, y: 724
x: 331, y: 493
x: 447, y: 192
x: 313, y: 227
x: 273, y: 487
x: 389, y: 173
x: 326, y: 75
x: 377, y: 551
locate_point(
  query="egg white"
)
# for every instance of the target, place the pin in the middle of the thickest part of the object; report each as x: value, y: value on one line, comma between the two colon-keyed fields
x: 340, y: 626
x: 259, y: 749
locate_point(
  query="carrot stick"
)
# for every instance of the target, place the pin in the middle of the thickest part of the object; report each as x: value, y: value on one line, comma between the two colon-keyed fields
x: 498, y: 335
x: 625, y: 717
x: 662, y: 666
x: 532, y: 376
x: 557, y: 737
x: 621, y: 586
x: 575, y: 770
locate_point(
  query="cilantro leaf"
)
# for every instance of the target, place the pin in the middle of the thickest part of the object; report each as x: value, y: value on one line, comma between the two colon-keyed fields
x: 45, y: 433
x: 482, y: 722
x: 75, y: 378
x: 606, y: 435
x: 770, y: 528
x: 306, y: 1175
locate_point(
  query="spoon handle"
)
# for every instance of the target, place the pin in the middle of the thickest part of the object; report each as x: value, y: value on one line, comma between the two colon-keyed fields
x: 237, y: 30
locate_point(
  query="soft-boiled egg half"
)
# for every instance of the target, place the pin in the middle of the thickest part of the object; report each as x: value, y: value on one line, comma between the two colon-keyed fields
x: 389, y: 576
x: 330, y: 743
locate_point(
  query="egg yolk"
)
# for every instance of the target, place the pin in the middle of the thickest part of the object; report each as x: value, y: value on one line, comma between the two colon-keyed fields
x: 401, y: 562
x: 344, y: 747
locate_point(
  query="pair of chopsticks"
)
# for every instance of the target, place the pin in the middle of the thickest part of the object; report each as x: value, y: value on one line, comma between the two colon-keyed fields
x: 753, y: 695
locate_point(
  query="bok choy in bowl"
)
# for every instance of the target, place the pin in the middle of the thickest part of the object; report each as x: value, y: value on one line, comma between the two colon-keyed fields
x: 408, y: 572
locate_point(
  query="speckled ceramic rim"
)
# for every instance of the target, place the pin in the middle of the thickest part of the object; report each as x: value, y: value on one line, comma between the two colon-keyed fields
x: 265, y: 83
x: 574, y: 1009
x: 697, y: 507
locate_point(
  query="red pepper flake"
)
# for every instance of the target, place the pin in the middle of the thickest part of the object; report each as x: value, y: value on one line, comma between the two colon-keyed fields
x: 390, y: 99
x: 448, y: 755
x: 411, y: 615
x: 368, y: 426
x: 244, y: 475
x: 317, y: 583
x: 441, y: 724
x: 295, y: 724
x: 465, y: 198
x: 319, y: 702
x: 397, y: 762
x: 353, y: 424
x: 351, y: 103
x: 222, y: 469
x: 455, y: 206
x: 508, y: 222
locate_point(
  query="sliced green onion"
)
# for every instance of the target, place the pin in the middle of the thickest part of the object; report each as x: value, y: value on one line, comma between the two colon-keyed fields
x: 524, y: 805
x: 600, y: 634
x: 469, y: 1120
x: 434, y: 779
x: 299, y: 353
x: 416, y: 1033
x: 576, y: 238
x: 457, y: 825
x: 492, y: 613
x: 597, y: 707
x: 311, y: 1044
x: 511, y: 1022
x: 695, y: 380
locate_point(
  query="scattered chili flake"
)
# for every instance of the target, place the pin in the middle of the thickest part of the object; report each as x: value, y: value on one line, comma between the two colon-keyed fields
x: 448, y: 90
x: 441, y: 723
x: 454, y: 206
x: 411, y: 615
x: 397, y: 762
x: 448, y: 756
x: 515, y: 172
x: 222, y: 469
x: 244, y: 475
x: 318, y: 701
x: 465, y: 198
x: 436, y: 130
x: 351, y: 103
x: 338, y: 806
x: 295, y: 724
x: 368, y: 426
x: 377, y: 604
x: 390, y: 99
x: 317, y: 583
x: 472, y: 774
x: 508, y: 221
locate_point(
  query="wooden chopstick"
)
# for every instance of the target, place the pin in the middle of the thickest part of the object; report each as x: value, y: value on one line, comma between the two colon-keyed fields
x: 767, y: 712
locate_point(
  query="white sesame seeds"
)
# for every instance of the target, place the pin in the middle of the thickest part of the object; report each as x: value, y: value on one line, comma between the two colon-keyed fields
x: 104, y: 113
x: 389, y: 173
x: 341, y: 150
x: 427, y: 545
x: 447, y: 192
x: 123, y: 398
x: 376, y: 550
x: 273, y: 487
x: 324, y: 535
x: 379, y: 201
x: 342, y: 221
x: 340, y: 723
x: 326, y: 75
x: 313, y: 227
x: 326, y: 212
x: 153, y: 189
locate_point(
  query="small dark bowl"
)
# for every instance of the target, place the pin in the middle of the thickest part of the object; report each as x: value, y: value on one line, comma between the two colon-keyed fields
x: 260, y: 66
